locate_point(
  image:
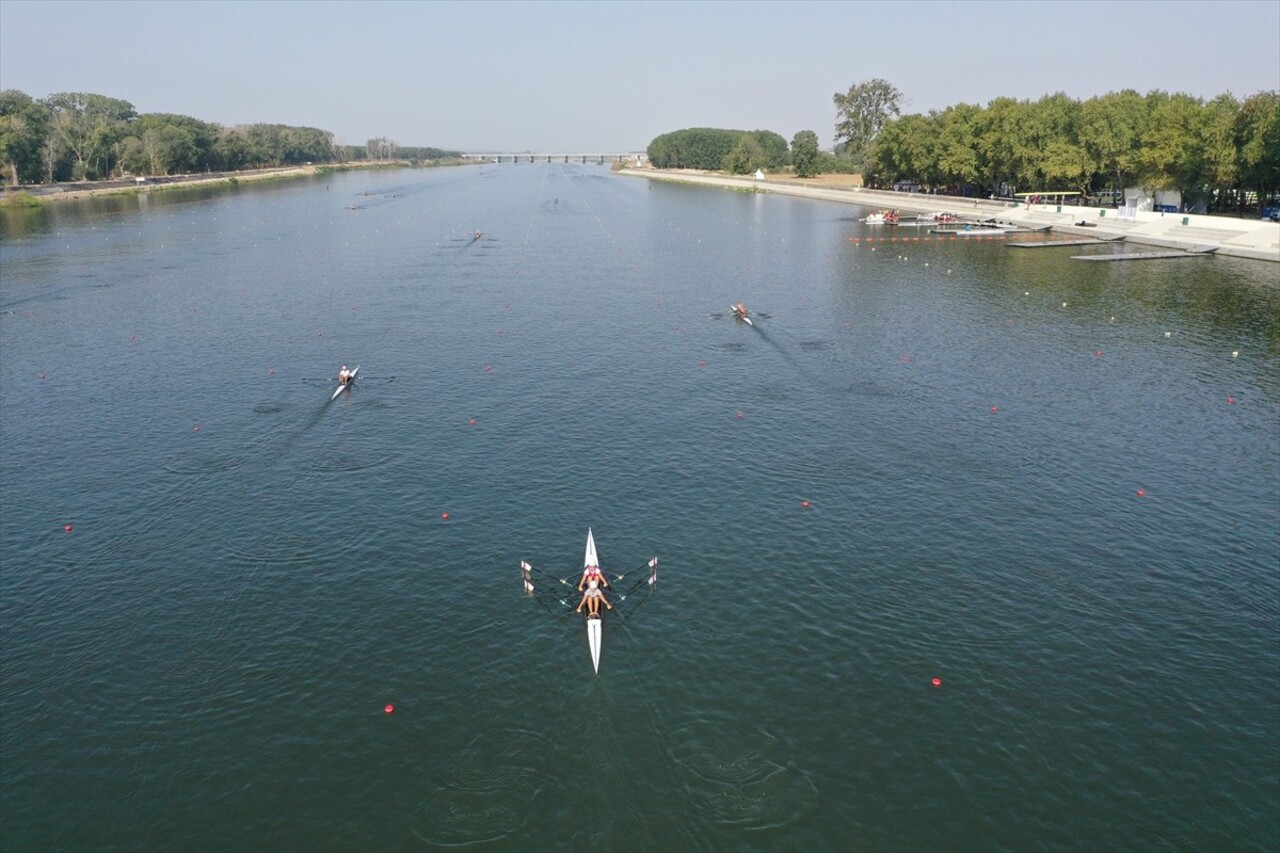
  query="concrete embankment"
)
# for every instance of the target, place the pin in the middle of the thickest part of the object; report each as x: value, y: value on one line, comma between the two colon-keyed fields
x: 1243, y: 238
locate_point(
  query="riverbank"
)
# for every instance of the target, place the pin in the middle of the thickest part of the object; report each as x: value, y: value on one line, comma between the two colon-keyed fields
x: 36, y: 194
x: 1243, y: 238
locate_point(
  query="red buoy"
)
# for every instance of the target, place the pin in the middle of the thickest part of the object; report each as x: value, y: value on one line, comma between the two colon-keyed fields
x: 195, y: 428
x: 67, y: 528
x: 445, y: 516
x: 937, y: 682
x: 1231, y: 401
x: 488, y: 368
x: 804, y: 504
x: 472, y: 422
x: 741, y: 415
x: 389, y: 709
x: 702, y: 364
x: 995, y: 408
x: 1141, y: 493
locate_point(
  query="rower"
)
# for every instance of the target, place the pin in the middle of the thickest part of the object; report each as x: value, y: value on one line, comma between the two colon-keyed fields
x: 592, y: 596
x: 592, y: 574
x: 344, y: 376
x: 740, y: 310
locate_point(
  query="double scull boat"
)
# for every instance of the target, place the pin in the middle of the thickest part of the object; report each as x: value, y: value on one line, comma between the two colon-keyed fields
x: 540, y: 584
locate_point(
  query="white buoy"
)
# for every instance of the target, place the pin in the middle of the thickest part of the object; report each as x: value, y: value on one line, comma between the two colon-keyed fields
x: 1235, y: 353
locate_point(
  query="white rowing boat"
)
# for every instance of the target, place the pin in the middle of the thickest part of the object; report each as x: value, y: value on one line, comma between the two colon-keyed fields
x: 594, y: 623
x: 546, y: 588
x: 741, y: 315
x: 350, y: 382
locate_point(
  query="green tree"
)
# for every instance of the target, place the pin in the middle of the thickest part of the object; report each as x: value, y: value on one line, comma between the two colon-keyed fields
x: 1170, y: 155
x: 998, y: 132
x: 862, y: 112
x: 957, y: 145
x: 1258, y: 141
x: 1052, y: 158
x: 80, y: 120
x: 24, y: 126
x: 804, y: 153
x: 1111, y: 129
x: 1221, y: 167
x: 747, y: 156
x: 707, y: 148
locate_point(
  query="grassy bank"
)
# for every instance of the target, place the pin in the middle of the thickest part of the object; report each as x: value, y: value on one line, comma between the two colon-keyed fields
x: 56, y: 193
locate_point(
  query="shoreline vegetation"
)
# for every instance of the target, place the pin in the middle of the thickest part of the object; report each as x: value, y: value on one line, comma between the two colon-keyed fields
x: 38, y: 195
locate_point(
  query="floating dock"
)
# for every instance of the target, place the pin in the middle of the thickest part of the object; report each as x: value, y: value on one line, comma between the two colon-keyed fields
x: 1141, y: 256
x: 1090, y: 241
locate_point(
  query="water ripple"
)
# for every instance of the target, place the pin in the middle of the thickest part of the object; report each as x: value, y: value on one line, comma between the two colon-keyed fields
x: 735, y: 782
x: 491, y: 792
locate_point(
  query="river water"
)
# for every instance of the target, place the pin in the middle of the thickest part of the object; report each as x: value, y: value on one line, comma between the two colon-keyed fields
x: 1051, y: 486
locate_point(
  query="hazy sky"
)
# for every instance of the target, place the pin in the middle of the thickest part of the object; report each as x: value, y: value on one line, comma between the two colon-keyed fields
x: 607, y: 77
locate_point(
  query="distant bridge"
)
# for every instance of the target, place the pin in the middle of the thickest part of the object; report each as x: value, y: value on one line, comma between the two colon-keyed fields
x: 635, y: 157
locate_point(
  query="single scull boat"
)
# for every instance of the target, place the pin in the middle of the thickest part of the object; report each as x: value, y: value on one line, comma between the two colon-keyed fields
x: 341, y: 387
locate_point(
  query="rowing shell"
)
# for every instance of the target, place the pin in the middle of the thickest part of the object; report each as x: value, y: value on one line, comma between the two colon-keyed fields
x: 350, y: 382
x: 594, y: 623
x: 744, y: 317
x: 593, y: 639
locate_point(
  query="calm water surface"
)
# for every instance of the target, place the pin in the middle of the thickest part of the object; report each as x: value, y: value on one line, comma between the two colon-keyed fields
x: 1054, y: 486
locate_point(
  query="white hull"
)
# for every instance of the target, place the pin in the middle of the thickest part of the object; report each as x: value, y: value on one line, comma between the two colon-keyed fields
x: 593, y: 625
x: 743, y: 317
x: 593, y: 639
x: 342, y: 388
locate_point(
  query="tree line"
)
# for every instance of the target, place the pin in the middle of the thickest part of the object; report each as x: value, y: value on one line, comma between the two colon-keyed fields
x: 79, y: 136
x: 1214, y: 152
x: 1217, y: 152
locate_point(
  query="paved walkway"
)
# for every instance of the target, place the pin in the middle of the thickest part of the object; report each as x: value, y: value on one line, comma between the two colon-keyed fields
x: 1243, y: 238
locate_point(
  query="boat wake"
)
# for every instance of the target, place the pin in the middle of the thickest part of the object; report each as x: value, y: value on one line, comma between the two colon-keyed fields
x: 731, y: 778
